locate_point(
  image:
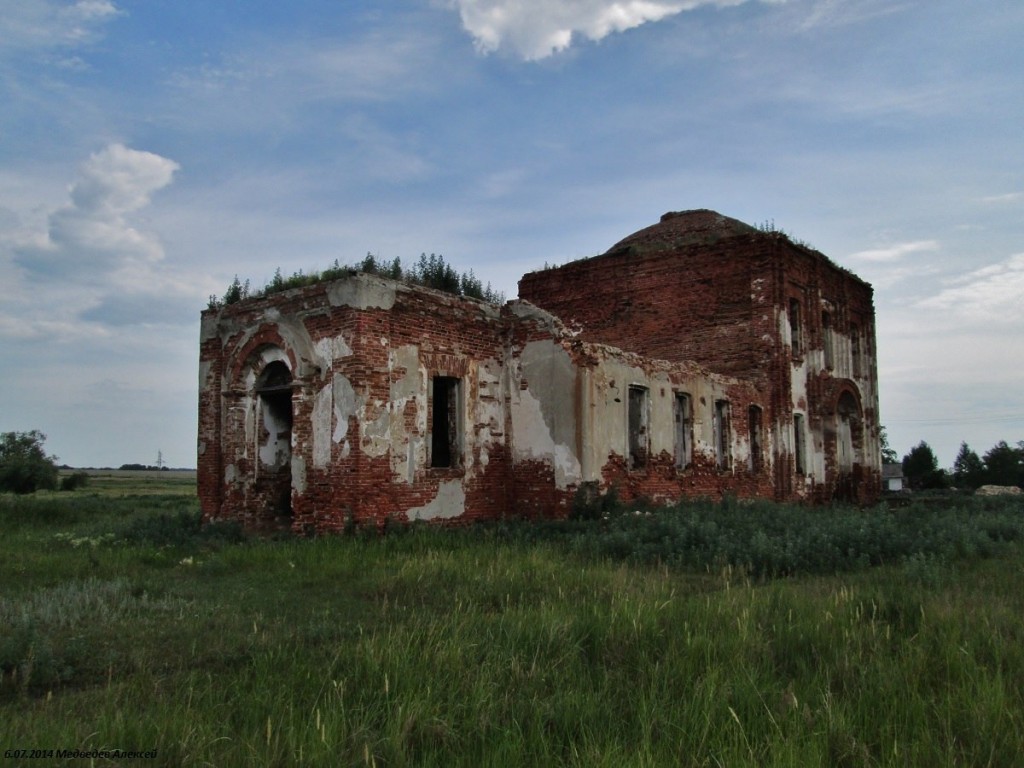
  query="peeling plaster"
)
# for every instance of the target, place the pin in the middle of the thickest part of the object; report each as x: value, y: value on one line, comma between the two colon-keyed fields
x: 449, y: 502
x: 533, y: 440
x: 209, y: 327
x: 410, y: 386
x: 346, y: 404
x: 543, y: 415
x: 322, y: 406
x: 298, y: 474
x: 362, y: 292
x: 332, y: 348
x: 376, y: 433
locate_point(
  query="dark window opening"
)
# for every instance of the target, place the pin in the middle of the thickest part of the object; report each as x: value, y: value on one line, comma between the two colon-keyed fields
x: 826, y: 333
x: 444, y: 436
x: 639, y: 438
x: 684, y: 430
x: 799, y: 444
x: 756, y: 439
x: 722, y: 437
x: 274, y: 390
x: 274, y: 387
x: 855, y: 350
x: 795, y: 334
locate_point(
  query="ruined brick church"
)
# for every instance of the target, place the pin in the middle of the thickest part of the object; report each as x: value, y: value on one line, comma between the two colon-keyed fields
x: 698, y: 357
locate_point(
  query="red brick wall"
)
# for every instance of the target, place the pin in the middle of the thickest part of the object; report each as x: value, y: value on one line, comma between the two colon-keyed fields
x: 718, y: 300
x: 693, y: 303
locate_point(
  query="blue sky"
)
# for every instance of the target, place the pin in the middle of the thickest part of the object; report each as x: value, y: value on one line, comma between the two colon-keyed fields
x: 151, y: 150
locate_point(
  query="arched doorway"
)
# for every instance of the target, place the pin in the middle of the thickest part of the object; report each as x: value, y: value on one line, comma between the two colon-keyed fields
x: 849, y: 425
x: 274, y: 437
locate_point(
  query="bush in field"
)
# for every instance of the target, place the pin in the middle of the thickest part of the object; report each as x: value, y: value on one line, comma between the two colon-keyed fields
x: 24, y: 466
x: 74, y: 481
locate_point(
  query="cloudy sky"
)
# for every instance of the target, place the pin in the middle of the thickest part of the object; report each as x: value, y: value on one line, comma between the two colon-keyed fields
x: 150, y: 150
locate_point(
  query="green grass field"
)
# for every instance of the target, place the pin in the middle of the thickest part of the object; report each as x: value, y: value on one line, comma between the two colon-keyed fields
x: 740, y: 635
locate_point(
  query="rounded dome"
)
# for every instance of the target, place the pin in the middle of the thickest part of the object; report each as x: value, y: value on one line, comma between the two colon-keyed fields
x: 679, y: 228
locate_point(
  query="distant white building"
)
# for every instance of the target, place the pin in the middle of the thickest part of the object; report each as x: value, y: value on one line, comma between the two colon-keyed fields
x: 892, y: 477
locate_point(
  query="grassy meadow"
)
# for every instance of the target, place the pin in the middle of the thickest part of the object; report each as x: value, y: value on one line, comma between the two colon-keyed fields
x: 704, y: 635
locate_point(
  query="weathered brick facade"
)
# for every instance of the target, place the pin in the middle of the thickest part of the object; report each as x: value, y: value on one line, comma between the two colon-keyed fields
x: 698, y: 357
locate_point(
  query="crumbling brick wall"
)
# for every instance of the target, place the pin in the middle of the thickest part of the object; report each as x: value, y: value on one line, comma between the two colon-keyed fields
x: 363, y: 399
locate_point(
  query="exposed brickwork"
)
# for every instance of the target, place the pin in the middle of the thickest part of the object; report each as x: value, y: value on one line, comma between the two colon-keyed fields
x: 537, y: 401
x: 700, y: 286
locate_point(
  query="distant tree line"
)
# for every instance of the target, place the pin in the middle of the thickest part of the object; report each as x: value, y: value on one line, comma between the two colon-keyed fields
x: 1003, y: 464
x: 429, y: 271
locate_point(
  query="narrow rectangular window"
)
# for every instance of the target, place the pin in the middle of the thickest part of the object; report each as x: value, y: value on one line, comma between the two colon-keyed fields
x: 795, y: 334
x: 444, y: 435
x: 799, y: 444
x: 855, y: 349
x: 826, y: 333
x: 639, y: 438
x: 684, y: 430
x: 756, y: 439
x: 722, y: 436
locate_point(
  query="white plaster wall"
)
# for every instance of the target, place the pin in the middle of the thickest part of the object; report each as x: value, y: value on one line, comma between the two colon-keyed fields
x: 543, y: 416
x: 449, y: 502
x: 606, y: 426
x: 408, y: 449
x: 362, y: 292
x: 332, y: 348
x: 323, y: 408
x: 347, y: 403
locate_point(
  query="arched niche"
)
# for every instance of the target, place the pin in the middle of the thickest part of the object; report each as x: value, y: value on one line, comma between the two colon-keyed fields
x: 273, y: 389
x: 849, y: 433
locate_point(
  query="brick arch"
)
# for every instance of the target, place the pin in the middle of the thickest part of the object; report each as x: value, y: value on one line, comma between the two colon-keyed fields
x: 265, y: 392
x: 834, y: 393
x: 848, y: 420
x: 245, y: 356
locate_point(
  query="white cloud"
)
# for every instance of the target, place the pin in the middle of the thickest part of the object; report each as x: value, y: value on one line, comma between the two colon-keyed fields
x: 990, y: 295
x: 1009, y: 197
x: 92, y: 233
x: 838, y: 13
x: 896, y: 252
x: 88, y: 266
x: 26, y: 24
x: 536, y: 29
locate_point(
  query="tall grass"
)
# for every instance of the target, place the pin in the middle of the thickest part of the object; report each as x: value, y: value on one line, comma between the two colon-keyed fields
x: 510, y: 646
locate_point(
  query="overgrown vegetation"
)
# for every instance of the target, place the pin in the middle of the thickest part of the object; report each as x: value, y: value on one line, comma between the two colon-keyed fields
x: 768, y: 227
x: 123, y: 622
x: 765, y: 539
x: 430, y: 271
